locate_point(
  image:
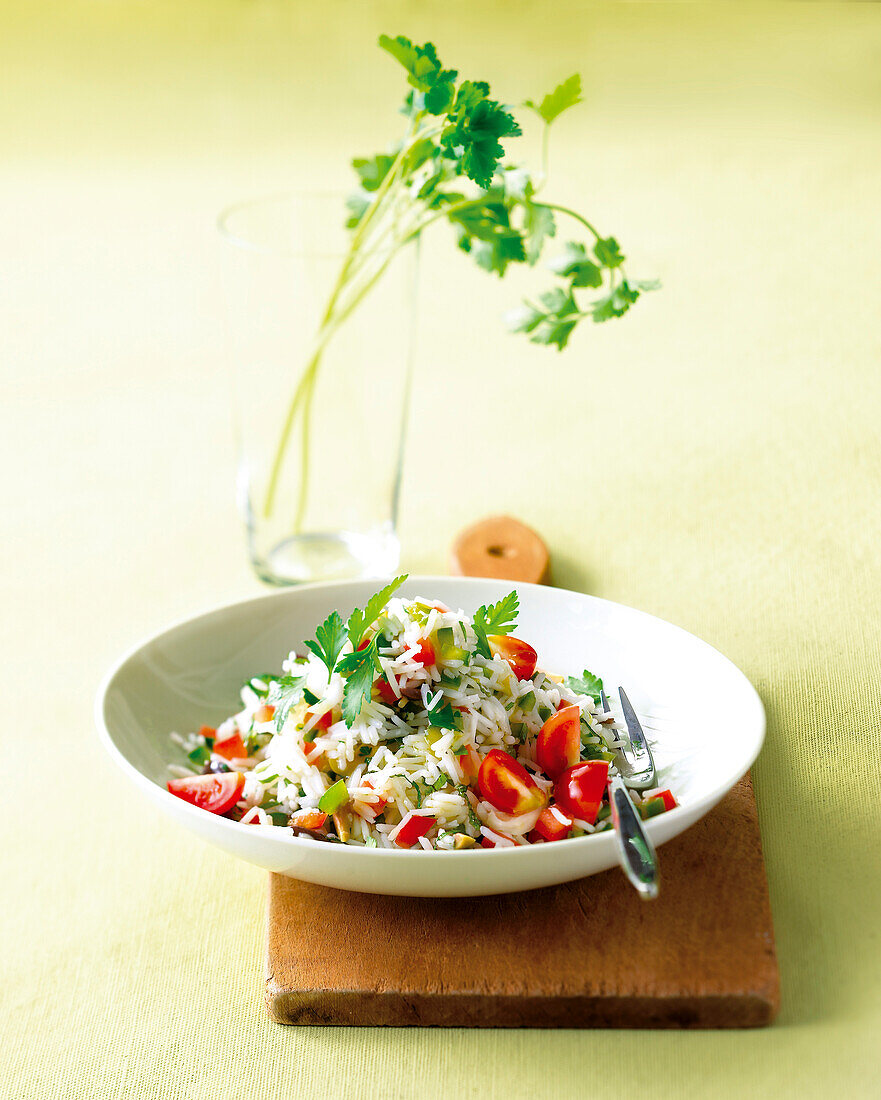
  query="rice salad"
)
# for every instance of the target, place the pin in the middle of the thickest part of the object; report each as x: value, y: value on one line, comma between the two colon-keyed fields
x: 413, y: 725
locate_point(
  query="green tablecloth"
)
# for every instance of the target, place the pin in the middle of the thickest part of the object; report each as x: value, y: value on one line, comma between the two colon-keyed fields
x: 714, y: 459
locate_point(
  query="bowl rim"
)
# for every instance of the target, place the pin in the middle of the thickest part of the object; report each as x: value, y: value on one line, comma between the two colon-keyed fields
x: 343, y: 851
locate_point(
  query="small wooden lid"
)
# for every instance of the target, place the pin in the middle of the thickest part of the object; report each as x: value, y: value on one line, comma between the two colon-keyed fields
x: 501, y: 547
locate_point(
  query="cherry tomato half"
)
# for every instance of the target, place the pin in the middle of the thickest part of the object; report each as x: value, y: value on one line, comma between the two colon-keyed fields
x: 520, y: 655
x: 413, y: 827
x: 558, y: 746
x: 549, y: 826
x: 308, y: 819
x: 579, y: 790
x: 217, y: 793
x: 507, y: 785
x: 231, y: 748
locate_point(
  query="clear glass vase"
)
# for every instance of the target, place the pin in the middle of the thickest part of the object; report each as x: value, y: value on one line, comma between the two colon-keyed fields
x: 322, y: 384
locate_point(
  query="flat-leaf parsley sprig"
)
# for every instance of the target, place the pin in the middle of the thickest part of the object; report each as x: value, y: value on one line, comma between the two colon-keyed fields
x: 448, y: 166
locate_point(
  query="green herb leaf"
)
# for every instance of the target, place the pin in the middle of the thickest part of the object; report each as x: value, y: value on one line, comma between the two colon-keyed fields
x: 284, y: 693
x: 443, y: 717
x: 475, y: 129
x: 472, y: 816
x: 615, y: 304
x: 574, y: 264
x: 361, y: 621
x: 331, y: 637
x: 358, y: 668
x: 563, y: 97
x: 538, y: 226
x: 373, y: 170
x: 608, y: 252
x: 498, y: 618
x: 586, y: 684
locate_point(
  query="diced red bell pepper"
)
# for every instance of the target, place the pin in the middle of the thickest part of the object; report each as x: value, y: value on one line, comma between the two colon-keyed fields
x: 670, y: 802
x: 385, y: 692
x: 425, y: 654
x: 520, y: 655
x: 558, y: 746
x: 507, y: 785
x: 412, y: 828
x: 208, y: 732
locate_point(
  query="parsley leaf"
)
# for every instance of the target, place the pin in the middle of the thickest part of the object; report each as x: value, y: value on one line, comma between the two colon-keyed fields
x: 615, y: 304
x: 331, y: 637
x: 443, y: 717
x: 498, y: 618
x: 563, y: 97
x: 586, y: 684
x: 575, y: 264
x: 360, y: 621
x: 372, y: 171
x: 476, y: 125
x: 473, y: 819
x: 358, y: 668
x: 284, y: 693
x: 608, y: 252
x: 538, y: 225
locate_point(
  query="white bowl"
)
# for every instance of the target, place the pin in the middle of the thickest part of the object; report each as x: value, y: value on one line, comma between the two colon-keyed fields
x: 702, y: 715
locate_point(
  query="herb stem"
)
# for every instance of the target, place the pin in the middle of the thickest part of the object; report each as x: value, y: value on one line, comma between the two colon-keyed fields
x: 576, y: 216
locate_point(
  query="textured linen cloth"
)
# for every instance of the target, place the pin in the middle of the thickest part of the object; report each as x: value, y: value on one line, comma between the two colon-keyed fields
x: 713, y: 458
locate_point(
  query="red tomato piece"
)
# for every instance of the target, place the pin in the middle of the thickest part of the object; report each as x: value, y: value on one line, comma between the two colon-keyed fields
x: 264, y: 713
x: 469, y: 765
x: 669, y: 801
x: 558, y: 746
x: 507, y: 785
x: 380, y: 804
x: 549, y: 826
x: 489, y: 842
x: 413, y: 827
x: 385, y: 692
x: 363, y: 644
x: 231, y: 748
x: 217, y: 792
x: 207, y: 731
x: 425, y: 654
x: 323, y: 722
x: 308, y: 819
x: 579, y: 790
x: 520, y: 655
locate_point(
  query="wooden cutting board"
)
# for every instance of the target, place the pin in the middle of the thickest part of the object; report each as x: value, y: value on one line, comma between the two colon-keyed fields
x: 586, y: 954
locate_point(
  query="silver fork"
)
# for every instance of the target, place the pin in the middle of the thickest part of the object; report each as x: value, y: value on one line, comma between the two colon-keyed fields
x: 636, y: 854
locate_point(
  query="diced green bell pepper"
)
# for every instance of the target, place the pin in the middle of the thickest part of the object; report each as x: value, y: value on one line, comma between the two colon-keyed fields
x: 334, y: 797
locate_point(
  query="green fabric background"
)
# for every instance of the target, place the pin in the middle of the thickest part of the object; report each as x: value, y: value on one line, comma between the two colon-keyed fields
x: 713, y: 459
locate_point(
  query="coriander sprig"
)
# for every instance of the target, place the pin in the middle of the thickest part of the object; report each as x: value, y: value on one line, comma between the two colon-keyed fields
x: 449, y: 166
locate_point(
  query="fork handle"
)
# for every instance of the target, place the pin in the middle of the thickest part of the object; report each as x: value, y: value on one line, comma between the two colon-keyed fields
x: 636, y: 853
